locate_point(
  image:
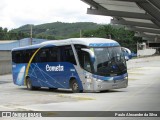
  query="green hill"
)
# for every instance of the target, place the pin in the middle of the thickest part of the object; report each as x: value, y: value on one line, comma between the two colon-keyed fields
x: 57, y: 29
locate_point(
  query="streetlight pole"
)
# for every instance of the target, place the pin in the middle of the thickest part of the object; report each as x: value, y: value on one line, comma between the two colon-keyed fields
x: 137, y: 48
x: 31, y: 34
x: 80, y: 33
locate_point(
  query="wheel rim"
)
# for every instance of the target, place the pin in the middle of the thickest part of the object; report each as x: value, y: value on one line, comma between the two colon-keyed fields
x: 28, y: 84
x: 75, y: 86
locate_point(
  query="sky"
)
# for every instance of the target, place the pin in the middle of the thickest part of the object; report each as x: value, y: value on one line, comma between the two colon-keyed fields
x: 15, y: 13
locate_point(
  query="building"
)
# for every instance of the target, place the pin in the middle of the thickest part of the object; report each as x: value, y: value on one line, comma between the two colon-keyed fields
x: 5, y: 51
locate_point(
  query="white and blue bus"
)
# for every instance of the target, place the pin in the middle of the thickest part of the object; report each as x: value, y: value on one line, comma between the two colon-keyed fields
x: 82, y: 64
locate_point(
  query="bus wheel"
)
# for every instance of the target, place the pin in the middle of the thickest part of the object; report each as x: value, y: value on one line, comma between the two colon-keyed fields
x: 75, y: 87
x: 29, y: 85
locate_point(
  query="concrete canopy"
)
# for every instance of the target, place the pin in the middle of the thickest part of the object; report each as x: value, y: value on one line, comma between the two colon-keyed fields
x: 142, y: 16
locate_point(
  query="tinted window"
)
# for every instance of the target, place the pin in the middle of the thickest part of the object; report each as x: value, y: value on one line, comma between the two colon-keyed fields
x: 54, y: 55
x: 22, y: 56
x: 67, y: 54
x: 50, y: 54
x: 17, y: 56
x: 29, y: 54
x: 43, y: 55
x: 84, y: 58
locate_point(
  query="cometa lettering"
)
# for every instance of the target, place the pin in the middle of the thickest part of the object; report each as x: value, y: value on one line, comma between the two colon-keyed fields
x: 54, y: 68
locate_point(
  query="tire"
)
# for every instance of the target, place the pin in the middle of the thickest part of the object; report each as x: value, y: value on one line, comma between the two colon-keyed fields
x: 29, y: 85
x: 75, y: 87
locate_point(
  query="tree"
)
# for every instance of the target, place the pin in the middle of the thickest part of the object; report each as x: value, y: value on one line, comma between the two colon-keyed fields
x: 124, y: 37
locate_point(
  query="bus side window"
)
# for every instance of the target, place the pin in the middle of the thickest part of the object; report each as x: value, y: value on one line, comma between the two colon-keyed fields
x: 44, y: 55
x: 14, y: 57
x: 54, y: 54
x: 18, y: 57
x: 84, y: 59
x: 29, y: 54
x: 68, y: 55
x: 27, y: 57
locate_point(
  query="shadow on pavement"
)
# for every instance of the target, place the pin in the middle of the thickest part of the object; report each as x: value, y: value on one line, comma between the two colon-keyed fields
x: 111, y: 91
x: 64, y: 91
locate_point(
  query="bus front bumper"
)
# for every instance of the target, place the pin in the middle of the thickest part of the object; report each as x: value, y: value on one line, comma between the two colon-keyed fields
x: 101, y: 85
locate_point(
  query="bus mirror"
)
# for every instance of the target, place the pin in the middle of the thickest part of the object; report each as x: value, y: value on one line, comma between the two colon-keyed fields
x: 91, y: 53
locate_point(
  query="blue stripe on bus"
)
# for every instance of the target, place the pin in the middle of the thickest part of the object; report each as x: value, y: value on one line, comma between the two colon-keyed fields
x: 120, y: 77
x: 103, y: 44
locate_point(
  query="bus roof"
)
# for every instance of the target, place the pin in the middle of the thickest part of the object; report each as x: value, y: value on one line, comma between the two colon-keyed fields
x: 91, y: 42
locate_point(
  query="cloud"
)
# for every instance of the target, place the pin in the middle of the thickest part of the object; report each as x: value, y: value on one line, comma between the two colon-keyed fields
x: 16, y: 13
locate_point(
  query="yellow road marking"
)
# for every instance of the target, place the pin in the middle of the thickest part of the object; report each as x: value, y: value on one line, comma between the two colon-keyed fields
x: 76, y: 97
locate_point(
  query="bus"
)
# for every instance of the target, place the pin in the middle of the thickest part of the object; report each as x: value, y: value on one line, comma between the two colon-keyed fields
x: 79, y: 64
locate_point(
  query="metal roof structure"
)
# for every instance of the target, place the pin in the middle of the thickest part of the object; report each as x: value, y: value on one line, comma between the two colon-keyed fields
x: 141, y: 16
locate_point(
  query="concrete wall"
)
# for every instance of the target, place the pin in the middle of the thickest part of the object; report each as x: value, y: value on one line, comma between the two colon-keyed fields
x: 5, y: 62
x: 5, y: 67
x: 146, y: 52
x: 5, y: 51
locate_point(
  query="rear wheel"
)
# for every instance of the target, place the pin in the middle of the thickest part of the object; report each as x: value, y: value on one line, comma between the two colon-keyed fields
x: 75, y: 86
x: 29, y: 85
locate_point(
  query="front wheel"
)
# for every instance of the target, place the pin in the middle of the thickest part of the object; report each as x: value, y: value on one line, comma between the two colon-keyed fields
x: 75, y: 87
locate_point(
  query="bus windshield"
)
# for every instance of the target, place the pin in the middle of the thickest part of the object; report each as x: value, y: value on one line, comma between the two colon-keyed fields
x: 109, y: 61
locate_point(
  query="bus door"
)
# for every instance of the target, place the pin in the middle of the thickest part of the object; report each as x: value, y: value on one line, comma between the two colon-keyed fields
x: 86, y: 64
